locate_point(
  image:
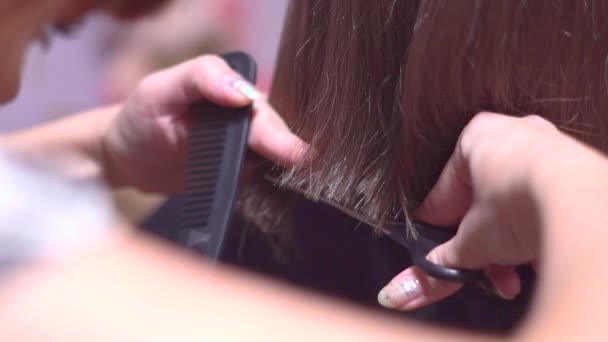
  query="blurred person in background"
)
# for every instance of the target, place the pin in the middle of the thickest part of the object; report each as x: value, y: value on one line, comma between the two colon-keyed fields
x: 150, y: 124
x: 105, y: 58
x: 183, y: 29
x: 139, y: 143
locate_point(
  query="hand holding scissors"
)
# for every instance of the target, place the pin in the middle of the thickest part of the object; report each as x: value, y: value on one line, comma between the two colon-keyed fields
x: 484, y: 192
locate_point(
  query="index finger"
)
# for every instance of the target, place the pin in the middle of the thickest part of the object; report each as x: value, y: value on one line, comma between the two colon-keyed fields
x: 207, y: 77
x: 271, y: 138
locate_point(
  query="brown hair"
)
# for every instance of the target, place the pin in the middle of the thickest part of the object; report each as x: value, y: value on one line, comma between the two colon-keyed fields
x: 382, y: 89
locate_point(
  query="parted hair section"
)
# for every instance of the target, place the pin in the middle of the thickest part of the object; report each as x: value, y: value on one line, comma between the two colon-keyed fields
x: 382, y: 89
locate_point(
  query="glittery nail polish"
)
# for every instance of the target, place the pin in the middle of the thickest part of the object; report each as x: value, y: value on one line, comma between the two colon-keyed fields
x: 399, y: 292
x: 245, y: 88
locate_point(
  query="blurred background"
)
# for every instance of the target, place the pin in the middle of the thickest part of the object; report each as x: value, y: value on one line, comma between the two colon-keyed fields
x: 104, y: 59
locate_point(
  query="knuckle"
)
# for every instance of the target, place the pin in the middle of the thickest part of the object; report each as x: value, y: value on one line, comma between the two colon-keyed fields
x: 438, y: 256
x: 483, y: 120
x: 207, y: 71
x: 540, y: 122
x: 482, y: 125
x: 208, y: 61
x: 204, y: 73
x: 146, y: 85
x: 534, y: 117
x: 147, y: 81
x: 465, y: 142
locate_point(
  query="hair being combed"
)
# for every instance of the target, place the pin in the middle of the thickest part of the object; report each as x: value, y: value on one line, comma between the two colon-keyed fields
x: 382, y: 89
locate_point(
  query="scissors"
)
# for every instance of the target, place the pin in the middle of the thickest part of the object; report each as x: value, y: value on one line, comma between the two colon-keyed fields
x: 419, y: 245
x: 427, y: 238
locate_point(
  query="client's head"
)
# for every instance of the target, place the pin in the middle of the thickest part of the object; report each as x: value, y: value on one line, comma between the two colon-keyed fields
x: 381, y: 89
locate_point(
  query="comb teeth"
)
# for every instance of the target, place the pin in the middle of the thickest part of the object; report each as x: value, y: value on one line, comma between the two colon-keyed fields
x: 205, y: 155
x: 216, y: 154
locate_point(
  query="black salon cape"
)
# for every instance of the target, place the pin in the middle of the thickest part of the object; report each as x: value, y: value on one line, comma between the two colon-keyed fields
x: 334, y: 254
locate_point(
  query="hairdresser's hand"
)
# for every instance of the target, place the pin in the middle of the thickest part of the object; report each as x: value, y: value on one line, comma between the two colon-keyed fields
x: 485, y: 191
x: 144, y: 145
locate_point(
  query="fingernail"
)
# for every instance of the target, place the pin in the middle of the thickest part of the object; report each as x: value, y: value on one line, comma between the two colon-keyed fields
x: 245, y: 88
x: 399, y: 292
x: 502, y: 295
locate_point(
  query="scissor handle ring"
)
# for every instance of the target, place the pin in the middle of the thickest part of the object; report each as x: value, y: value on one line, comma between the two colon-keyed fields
x: 428, y: 238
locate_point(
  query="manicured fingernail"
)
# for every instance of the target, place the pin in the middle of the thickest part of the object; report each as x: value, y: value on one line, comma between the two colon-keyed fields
x: 502, y: 295
x: 245, y: 88
x: 399, y: 292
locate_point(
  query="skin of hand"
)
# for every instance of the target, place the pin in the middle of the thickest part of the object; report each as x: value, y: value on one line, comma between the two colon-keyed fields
x: 128, y: 288
x: 133, y: 289
x: 144, y: 144
x: 484, y: 191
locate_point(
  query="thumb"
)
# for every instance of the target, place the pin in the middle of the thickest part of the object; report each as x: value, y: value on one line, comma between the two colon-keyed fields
x: 413, y: 288
x: 505, y: 279
x: 471, y: 248
x: 464, y: 249
x: 208, y: 77
x: 468, y: 249
x: 451, y: 197
x: 445, y: 205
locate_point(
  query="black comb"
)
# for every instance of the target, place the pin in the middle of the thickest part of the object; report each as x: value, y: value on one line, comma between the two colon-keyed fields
x: 216, y: 154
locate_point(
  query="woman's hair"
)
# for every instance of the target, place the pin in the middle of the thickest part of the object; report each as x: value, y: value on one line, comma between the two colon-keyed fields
x: 382, y: 89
